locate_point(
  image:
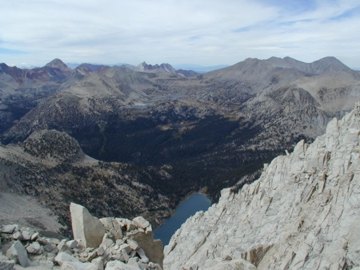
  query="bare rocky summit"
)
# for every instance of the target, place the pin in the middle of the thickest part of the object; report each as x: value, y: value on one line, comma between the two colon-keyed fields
x: 58, y: 64
x: 302, y: 213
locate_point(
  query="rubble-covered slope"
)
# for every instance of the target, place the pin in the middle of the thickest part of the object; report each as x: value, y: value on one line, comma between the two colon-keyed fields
x: 108, y: 243
x: 302, y: 213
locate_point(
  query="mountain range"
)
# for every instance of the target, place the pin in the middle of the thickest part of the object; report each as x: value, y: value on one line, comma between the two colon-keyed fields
x: 152, y: 127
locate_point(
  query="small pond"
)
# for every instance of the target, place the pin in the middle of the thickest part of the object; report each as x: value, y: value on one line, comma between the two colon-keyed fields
x: 185, y: 209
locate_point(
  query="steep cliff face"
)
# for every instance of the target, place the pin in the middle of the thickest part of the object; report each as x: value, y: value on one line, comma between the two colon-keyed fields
x: 302, y: 213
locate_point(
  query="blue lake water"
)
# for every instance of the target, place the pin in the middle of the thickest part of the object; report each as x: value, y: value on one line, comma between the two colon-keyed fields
x: 186, y: 208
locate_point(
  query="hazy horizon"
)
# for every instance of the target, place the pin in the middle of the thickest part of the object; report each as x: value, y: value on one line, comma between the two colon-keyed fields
x: 194, y: 67
x: 197, y: 32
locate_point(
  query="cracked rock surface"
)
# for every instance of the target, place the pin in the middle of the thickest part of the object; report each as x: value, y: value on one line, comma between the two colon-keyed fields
x: 302, y: 213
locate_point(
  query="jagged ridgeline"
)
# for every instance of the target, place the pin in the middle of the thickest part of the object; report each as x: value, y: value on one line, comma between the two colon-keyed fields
x: 128, y: 140
x: 302, y: 213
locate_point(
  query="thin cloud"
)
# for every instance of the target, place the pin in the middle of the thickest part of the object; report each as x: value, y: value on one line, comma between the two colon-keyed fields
x: 200, y: 32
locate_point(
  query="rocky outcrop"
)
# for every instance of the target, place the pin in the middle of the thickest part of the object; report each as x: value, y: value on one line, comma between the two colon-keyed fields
x: 108, y: 243
x: 53, y: 145
x: 302, y: 213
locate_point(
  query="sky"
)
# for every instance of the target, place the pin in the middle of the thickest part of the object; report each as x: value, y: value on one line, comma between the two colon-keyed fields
x: 202, y: 32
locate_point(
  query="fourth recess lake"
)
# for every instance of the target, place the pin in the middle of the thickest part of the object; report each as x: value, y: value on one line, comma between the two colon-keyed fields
x: 192, y: 204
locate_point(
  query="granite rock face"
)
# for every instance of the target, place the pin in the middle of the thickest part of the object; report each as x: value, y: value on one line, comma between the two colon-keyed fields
x: 302, y: 213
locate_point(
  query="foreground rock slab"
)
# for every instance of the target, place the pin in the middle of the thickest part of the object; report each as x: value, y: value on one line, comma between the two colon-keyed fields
x: 88, y: 230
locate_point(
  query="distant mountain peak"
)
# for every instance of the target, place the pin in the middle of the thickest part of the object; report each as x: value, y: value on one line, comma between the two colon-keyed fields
x: 329, y: 64
x: 90, y: 67
x: 288, y: 58
x: 57, y: 63
x: 252, y: 59
x: 143, y: 64
x: 330, y: 60
x: 3, y: 66
x: 164, y: 67
x: 275, y: 58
